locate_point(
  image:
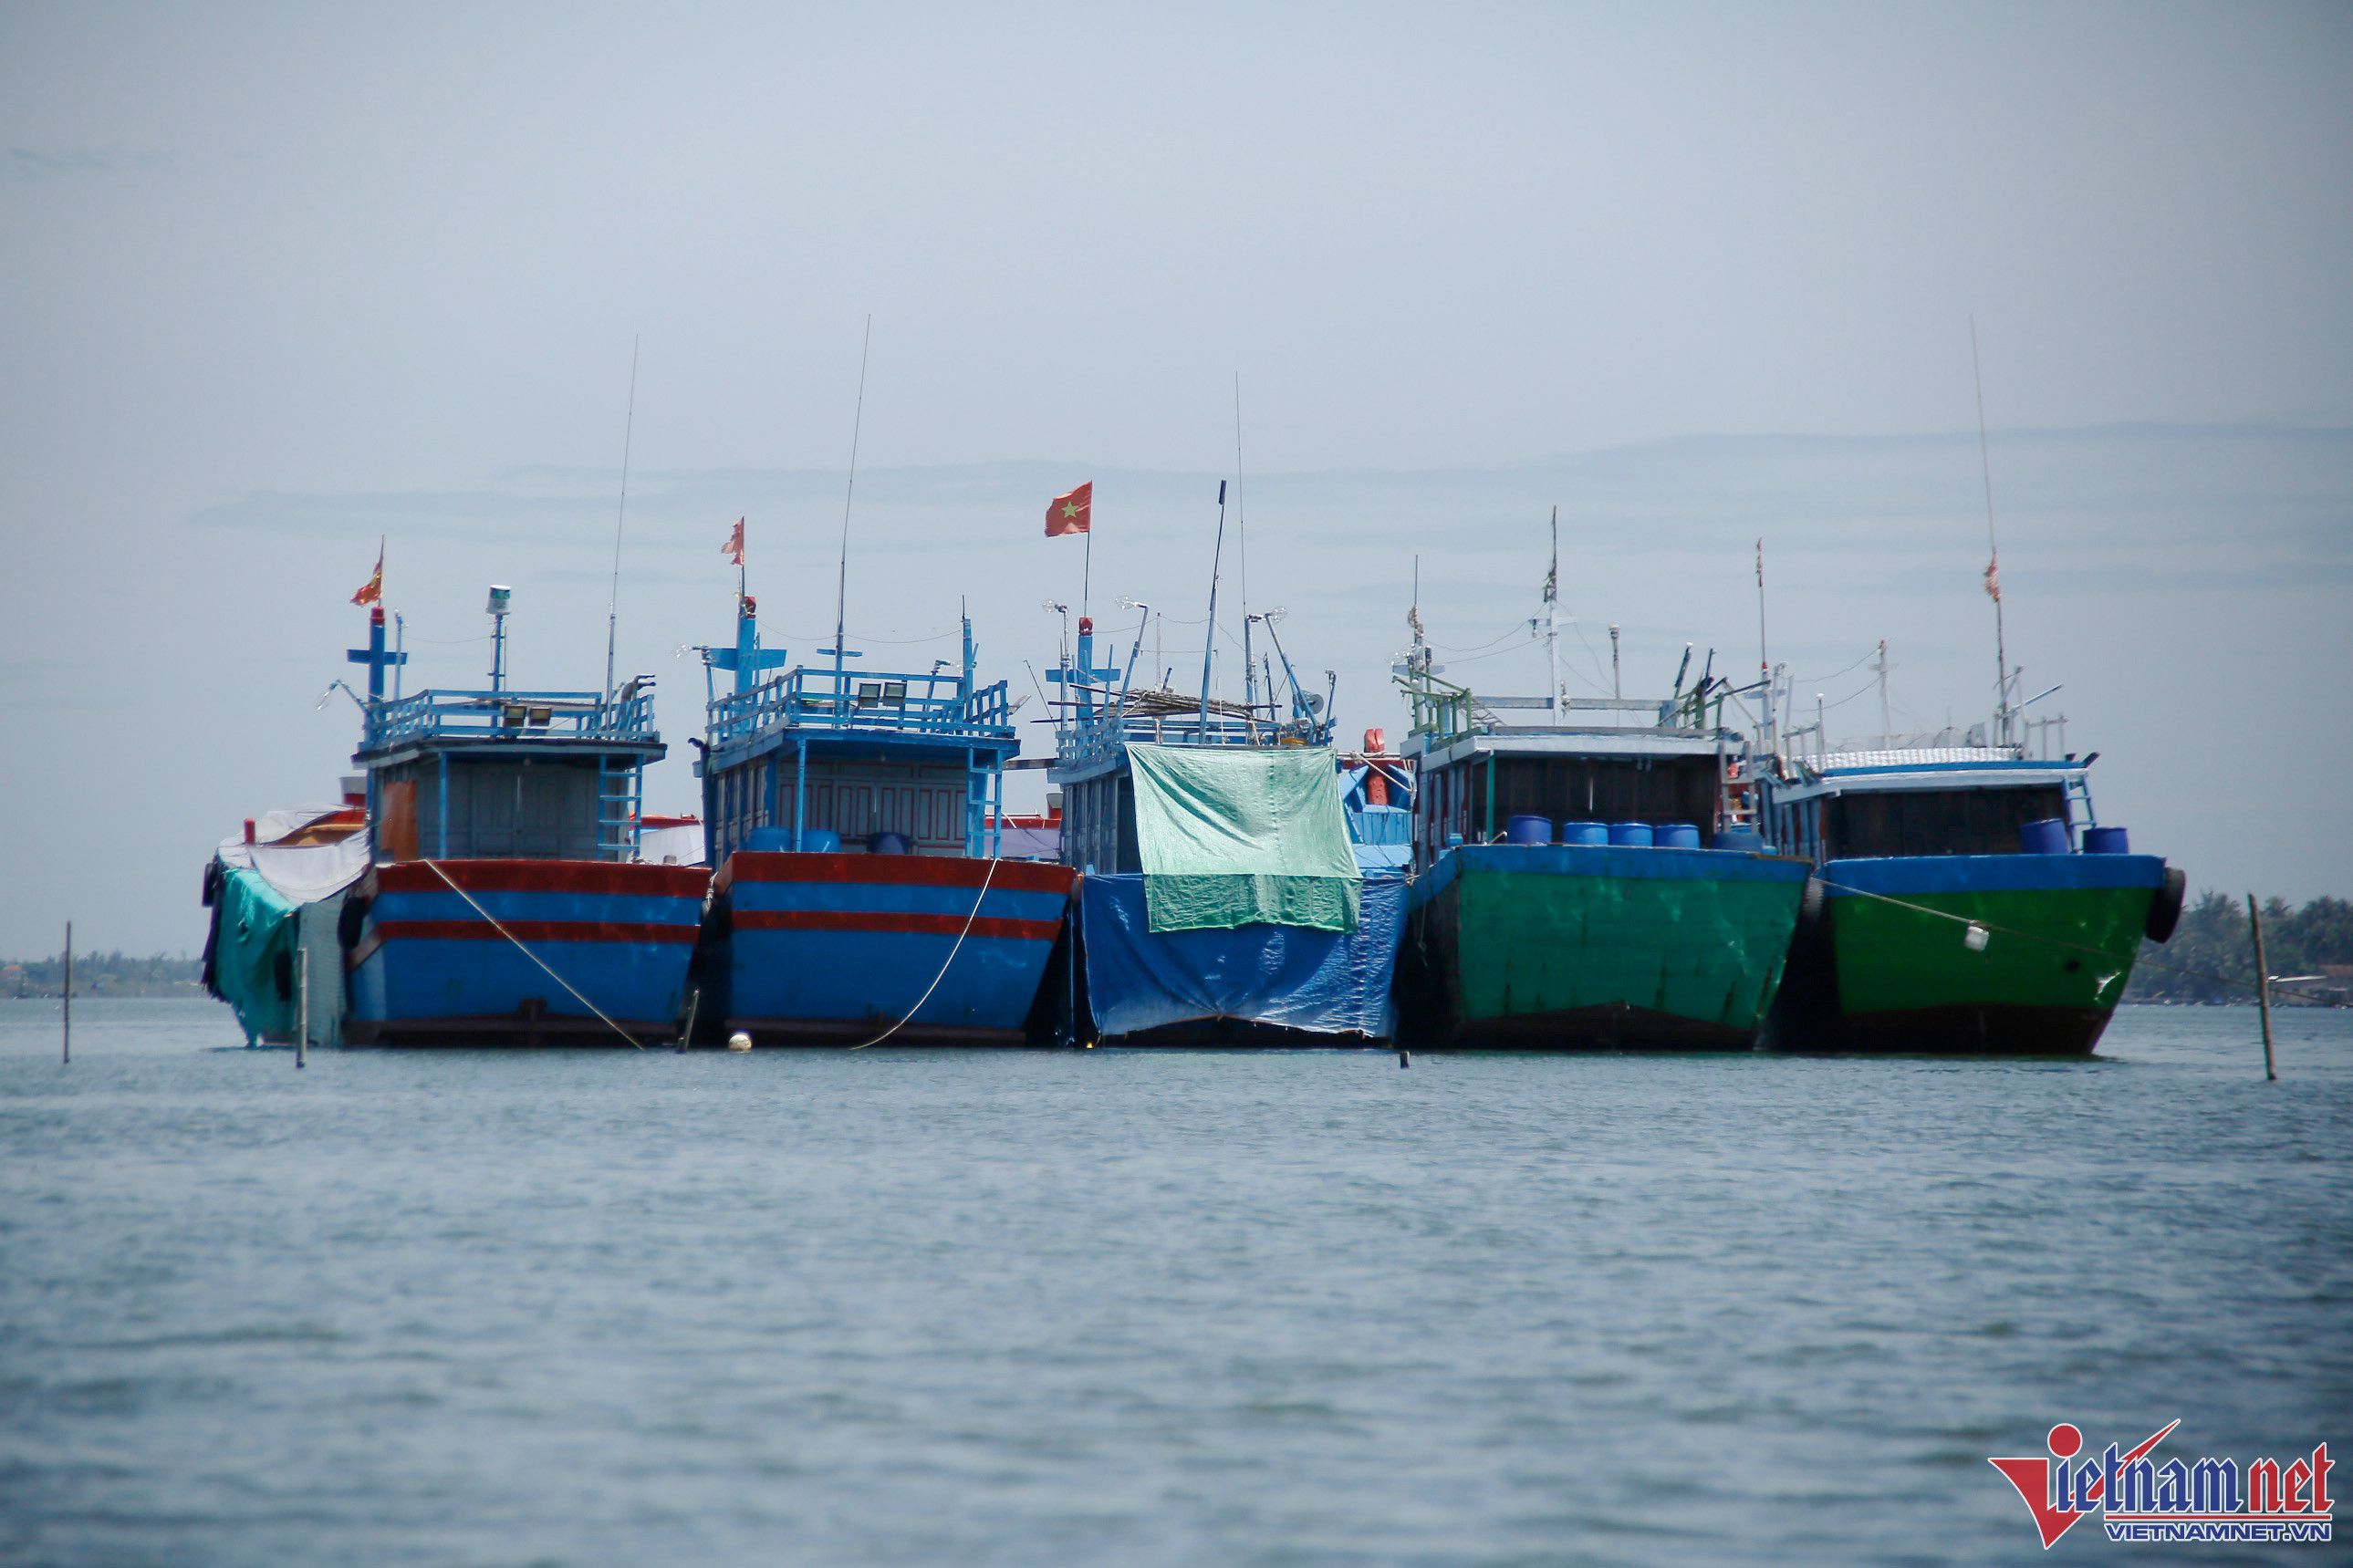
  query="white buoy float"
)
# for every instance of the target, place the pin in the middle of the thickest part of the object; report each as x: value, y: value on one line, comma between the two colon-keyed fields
x: 739, y: 1041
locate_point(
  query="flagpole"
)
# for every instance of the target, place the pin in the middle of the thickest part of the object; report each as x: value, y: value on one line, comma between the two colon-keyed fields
x: 1993, y: 562
x: 1210, y: 645
x: 613, y: 609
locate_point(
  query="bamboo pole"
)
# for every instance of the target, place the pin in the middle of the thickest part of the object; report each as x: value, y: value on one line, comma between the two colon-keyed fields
x: 2262, y: 987
x: 302, y: 1019
x: 67, y: 995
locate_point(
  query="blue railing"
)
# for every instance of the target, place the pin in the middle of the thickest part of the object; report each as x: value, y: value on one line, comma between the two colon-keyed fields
x: 865, y: 700
x: 1143, y: 720
x: 512, y: 715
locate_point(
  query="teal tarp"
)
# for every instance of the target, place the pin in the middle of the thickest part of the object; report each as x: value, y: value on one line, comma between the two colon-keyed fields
x: 253, y: 953
x: 1240, y: 837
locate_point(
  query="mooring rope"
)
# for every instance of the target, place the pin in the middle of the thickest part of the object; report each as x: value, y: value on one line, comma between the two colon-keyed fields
x: 532, y: 956
x: 943, y: 974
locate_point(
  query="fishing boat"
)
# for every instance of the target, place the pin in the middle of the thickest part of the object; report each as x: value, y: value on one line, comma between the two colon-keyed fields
x: 1222, y: 901
x: 505, y: 900
x: 856, y: 819
x: 1588, y: 880
x: 1969, y: 900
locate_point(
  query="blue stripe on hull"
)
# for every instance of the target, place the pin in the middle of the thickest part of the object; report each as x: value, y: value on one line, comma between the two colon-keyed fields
x: 445, y: 904
x: 852, y: 976
x: 1896, y: 876
x: 411, y: 977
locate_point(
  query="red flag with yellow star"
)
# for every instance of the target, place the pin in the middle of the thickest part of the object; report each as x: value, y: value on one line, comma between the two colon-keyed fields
x: 1068, y: 515
x: 372, y: 591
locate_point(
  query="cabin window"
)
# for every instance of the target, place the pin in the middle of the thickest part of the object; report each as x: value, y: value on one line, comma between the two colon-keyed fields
x: 1934, y: 822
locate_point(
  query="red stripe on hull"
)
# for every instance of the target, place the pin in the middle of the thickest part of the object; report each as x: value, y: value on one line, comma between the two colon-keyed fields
x: 896, y: 870
x: 530, y: 930
x: 893, y: 920
x: 545, y: 876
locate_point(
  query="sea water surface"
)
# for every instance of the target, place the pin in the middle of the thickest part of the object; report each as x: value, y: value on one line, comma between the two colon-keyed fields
x: 1301, y: 1308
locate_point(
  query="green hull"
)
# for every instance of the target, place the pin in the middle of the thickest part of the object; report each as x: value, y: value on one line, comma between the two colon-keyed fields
x: 1567, y: 947
x: 1884, y: 974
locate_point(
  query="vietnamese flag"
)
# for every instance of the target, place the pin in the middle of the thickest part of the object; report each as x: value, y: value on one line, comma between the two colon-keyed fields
x: 372, y: 591
x: 1068, y: 515
x: 733, y: 548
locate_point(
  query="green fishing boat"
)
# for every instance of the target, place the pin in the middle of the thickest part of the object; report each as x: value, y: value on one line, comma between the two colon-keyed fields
x: 1969, y: 900
x: 1561, y: 896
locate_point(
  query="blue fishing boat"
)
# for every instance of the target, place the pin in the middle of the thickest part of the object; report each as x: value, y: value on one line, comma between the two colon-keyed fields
x: 505, y: 900
x: 854, y: 817
x: 1223, y: 900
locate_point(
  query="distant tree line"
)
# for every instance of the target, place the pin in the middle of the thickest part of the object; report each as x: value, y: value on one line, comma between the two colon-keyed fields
x: 2213, y: 939
x: 104, y: 974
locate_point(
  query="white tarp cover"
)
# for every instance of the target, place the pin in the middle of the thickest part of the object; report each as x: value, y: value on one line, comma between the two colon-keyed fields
x: 305, y: 874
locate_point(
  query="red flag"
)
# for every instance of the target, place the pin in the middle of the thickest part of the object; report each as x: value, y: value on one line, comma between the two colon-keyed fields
x: 1993, y: 579
x: 1068, y: 515
x: 733, y: 548
x: 372, y: 591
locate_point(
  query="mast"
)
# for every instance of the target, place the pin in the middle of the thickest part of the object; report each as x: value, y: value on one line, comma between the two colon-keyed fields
x: 613, y: 609
x: 1764, y: 658
x: 1210, y: 643
x: 1552, y: 624
x: 1884, y: 728
x: 1993, y: 559
x: 841, y: 578
x: 1241, y: 545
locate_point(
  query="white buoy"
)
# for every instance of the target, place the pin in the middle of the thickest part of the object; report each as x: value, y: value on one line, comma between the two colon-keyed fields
x: 1976, y: 937
x: 739, y: 1041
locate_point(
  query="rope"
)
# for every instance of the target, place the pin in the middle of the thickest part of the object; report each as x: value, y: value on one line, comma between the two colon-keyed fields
x: 943, y: 974
x: 532, y: 956
x: 2079, y: 947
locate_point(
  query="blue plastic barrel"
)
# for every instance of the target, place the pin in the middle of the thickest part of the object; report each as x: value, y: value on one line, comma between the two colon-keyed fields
x: 1678, y: 836
x: 821, y: 841
x: 2106, y: 841
x: 768, y: 840
x: 888, y: 844
x: 1631, y: 833
x: 1528, y: 830
x: 2048, y: 836
x: 1746, y: 840
x: 1584, y: 833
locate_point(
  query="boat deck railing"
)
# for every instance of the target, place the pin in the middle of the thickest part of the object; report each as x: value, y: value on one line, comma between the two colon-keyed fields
x: 859, y: 700
x: 1091, y: 736
x: 512, y: 715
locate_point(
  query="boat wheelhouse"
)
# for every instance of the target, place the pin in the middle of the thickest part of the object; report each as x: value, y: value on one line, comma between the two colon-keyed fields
x: 854, y: 819
x: 1221, y: 900
x: 504, y: 899
x: 1561, y: 895
x: 1973, y: 902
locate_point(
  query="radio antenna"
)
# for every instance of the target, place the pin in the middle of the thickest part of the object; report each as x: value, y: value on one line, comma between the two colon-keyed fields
x: 841, y: 578
x: 613, y: 610
x: 1993, y: 558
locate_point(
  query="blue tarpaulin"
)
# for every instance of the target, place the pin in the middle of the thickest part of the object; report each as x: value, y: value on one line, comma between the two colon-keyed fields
x: 1288, y: 976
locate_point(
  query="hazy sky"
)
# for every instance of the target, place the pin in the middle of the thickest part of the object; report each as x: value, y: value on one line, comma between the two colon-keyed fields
x: 279, y: 280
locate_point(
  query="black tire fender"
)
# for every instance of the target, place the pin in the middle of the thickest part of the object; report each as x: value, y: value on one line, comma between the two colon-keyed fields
x: 2165, y: 909
x: 351, y: 921
x: 1809, y: 907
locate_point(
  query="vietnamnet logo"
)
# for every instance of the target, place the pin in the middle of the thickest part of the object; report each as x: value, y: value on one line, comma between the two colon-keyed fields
x: 2141, y: 1500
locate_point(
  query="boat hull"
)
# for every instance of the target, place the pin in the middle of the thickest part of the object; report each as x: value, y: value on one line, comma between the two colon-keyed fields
x: 1255, y: 984
x: 427, y: 966
x: 1886, y: 965
x: 1563, y: 947
x: 828, y: 949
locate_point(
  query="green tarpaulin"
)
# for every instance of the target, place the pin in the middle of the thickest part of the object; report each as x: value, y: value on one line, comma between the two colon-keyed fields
x: 253, y: 953
x: 1243, y: 837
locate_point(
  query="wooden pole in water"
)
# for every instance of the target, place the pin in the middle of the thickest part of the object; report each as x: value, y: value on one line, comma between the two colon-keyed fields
x: 302, y: 1017
x: 2262, y: 987
x: 69, y: 996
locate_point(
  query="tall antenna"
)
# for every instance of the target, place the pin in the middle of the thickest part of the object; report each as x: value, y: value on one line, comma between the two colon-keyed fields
x: 1993, y: 560
x: 1764, y: 658
x: 1241, y: 544
x: 613, y: 610
x: 1552, y: 624
x: 1882, y: 668
x: 841, y: 577
x: 1210, y: 645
